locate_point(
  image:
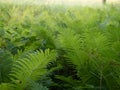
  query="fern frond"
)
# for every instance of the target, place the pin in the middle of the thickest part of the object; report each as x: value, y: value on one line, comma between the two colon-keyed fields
x: 6, y: 86
x: 72, y: 44
x: 69, y: 40
x: 113, y: 34
x: 5, y: 65
x: 37, y: 86
x: 95, y: 41
x: 32, y: 68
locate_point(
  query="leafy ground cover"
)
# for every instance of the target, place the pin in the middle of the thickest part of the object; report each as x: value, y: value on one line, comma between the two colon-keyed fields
x: 59, y: 48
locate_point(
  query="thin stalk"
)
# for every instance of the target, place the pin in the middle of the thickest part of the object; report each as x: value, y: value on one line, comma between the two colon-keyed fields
x: 101, y: 80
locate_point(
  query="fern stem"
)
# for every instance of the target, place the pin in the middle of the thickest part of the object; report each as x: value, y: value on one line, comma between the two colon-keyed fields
x: 101, y: 80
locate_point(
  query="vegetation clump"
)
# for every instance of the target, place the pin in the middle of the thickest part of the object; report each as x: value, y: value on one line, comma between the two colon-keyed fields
x: 59, y: 48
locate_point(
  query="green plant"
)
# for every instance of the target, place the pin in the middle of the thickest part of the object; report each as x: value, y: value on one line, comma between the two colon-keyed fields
x: 90, y: 54
x: 59, y: 47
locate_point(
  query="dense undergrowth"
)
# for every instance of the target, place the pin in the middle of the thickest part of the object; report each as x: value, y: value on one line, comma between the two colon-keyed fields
x: 59, y: 48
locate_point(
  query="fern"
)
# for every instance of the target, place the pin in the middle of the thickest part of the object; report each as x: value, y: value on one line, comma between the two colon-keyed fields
x: 88, y: 54
x: 31, y: 68
x: 70, y: 42
x: 87, y: 41
x: 36, y: 86
x: 6, y: 86
x: 5, y: 65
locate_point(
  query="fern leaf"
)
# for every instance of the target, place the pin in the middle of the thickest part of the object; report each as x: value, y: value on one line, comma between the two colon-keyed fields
x: 32, y: 68
x: 6, y: 86
x: 36, y: 86
x: 72, y: 44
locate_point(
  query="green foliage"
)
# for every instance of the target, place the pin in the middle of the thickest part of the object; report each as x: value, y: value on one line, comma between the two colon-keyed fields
x: 92, y: 54
x: 5, y: 65
x: 6, y: 86
x: 59, y: 48
x: 31, y: 68
x: 37, y: 86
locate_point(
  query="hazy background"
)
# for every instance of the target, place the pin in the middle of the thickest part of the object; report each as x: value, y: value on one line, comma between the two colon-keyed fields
x: 64, y: 2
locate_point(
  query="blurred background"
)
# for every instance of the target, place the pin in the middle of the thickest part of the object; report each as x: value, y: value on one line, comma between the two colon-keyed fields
x: 62, y: 2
